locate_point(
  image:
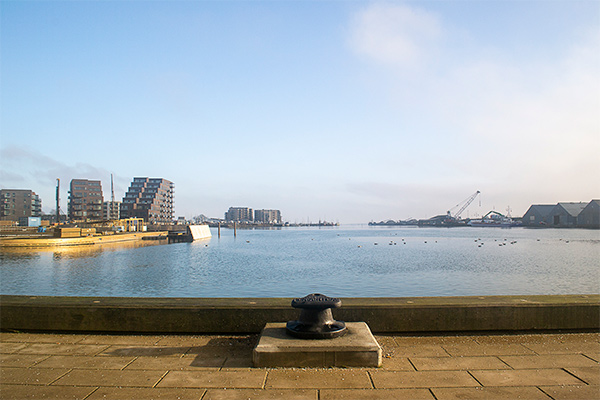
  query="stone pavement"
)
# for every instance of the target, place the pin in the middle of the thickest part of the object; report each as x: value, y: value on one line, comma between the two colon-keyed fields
x: 89, y: 366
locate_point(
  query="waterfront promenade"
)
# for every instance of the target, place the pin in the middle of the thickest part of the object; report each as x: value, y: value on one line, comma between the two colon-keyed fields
x: 443, y: 367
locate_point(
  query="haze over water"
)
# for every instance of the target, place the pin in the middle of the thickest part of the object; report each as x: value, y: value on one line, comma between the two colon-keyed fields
x: 342, y: 261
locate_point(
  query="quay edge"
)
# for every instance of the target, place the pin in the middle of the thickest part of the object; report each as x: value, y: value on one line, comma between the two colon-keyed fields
x: 249, y: 315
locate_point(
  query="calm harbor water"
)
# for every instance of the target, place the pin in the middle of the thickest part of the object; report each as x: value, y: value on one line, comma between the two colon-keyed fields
x: 355, y: 261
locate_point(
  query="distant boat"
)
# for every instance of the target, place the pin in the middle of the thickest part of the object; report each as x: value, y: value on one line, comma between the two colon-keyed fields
x: 494, y: 219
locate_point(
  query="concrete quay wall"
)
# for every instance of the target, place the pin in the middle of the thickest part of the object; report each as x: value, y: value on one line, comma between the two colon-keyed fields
x: 249, y: 315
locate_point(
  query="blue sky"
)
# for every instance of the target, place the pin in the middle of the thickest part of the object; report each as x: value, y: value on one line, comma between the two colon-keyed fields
x: 348, y: 111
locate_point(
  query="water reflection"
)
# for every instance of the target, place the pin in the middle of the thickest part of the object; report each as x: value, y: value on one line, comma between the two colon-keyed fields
x: 69, y: 252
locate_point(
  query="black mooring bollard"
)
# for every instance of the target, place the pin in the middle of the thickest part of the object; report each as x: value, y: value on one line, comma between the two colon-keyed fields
x: 316, y: 320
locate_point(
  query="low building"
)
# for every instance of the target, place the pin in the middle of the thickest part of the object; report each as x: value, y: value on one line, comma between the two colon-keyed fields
x: 589, y: 217
x: 30, y: 221
x: 18, y: 203
x: 564, y: 215
x: 267, y: 216
x: 537, y: 215
x: 239, y: 214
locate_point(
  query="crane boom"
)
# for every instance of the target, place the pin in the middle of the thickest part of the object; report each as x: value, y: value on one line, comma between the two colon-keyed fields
x: 467, y: 202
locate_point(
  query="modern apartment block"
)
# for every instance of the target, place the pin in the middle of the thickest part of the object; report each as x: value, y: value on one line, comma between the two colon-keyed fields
x: 267, y: 216
x: 239, y: 214
x: 150, y: 199
x: 85, y: 200
x: 111, y: 210
x: 17, y: 203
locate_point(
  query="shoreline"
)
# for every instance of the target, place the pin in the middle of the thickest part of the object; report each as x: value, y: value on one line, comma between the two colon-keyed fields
x: 45, y: 242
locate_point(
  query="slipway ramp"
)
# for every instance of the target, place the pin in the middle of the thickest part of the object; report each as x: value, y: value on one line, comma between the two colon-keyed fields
x: 198, y: 232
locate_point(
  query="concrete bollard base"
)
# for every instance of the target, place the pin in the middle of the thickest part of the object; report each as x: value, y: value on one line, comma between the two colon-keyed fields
x: 358, y: 348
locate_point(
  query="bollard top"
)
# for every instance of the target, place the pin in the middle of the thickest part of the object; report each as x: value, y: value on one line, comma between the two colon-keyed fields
x: 316, y: 301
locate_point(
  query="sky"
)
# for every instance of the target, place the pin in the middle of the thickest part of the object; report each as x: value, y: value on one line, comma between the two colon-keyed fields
x: 346, y: 111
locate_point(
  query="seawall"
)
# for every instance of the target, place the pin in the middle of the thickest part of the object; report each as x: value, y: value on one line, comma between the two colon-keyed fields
x: 249, y: 315
x: 48, y: 242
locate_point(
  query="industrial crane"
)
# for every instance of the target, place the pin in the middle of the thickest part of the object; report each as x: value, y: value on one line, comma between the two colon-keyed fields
x: 466, y: 202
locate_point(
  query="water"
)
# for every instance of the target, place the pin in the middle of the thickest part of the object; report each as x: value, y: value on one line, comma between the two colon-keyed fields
x: 341, y: 261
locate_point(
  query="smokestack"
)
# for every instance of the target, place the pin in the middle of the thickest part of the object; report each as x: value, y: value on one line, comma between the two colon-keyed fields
x: 57, y: 201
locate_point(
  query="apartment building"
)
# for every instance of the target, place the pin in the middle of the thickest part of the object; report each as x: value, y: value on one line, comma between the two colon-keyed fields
x: 239, y: 214
x: 111, y: 210
x: 150, y: 199
x: 18, y: 203
x: 85, y: 200
x: 267, y: 216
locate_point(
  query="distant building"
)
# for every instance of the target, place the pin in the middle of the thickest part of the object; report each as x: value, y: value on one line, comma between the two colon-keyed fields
x: 564, y: 215
x: 111, y: 210
x: 537, y: 215
x: 150, y: 199
x: 85, y: 200
x: 589, y: 217
x: 17, y: 203
x: 267, y: 216
x: 239, y: 214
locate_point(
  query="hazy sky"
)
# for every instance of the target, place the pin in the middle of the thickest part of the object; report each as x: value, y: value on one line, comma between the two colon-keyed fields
x: 348, y: 111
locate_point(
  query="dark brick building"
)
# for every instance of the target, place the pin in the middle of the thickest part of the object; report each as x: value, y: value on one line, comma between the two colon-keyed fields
x: 150, y: 199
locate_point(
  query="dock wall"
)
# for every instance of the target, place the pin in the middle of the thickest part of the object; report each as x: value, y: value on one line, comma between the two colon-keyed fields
x: 249, y: 315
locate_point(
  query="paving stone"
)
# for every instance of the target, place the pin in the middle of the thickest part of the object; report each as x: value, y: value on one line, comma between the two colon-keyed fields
x: 376, y: 394
x: 489, y: 393
x: 188, y: 362
x: 139, y: 340
x: 89, y: 377
x: 20, y: 360
x: 141, y: 351
x: 229, y: 341
x: 396, y: 364
x: 41, y: 338
x: 572, y: 392
x: 434, y: 340
x: 548, y: 361
x: 113, y: 393
x: 467, y: 350
x: 183, y: 340
x: 540, y: 338
x: 525, y: 377
x: 20, y: 392
x: 250, y: 379
x: 9, y: 347
x: 31, y: 376
x: 421, y: 379
x: 238, y: 362
x: 85, y: 362
x: 594, y: 357
x: 559, y: 338
x: 261, y: 394
x: 385, y: 341
x: 63, y: 349
x: 590, y: 375
x: 318, y: 379
x: 418, y: 350
x: 570, y: 347
x: 215, y: 351
x: 457, y: 363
